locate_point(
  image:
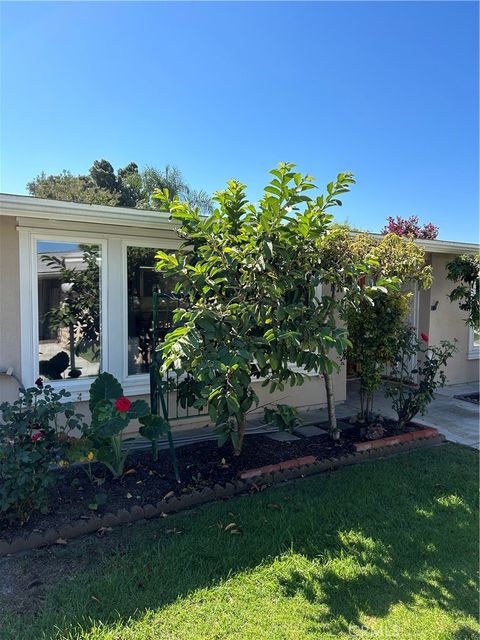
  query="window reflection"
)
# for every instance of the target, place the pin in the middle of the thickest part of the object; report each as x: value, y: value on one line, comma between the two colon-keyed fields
x: 68, y: 309
x: 142, y: 280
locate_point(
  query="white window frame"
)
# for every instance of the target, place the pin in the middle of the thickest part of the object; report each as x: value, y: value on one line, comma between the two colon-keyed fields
x: 473, y: 349
x: 136, y: 383
x: 30, y: 344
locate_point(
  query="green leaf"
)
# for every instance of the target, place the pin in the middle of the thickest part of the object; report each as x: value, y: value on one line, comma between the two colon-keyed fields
x: 104, y: 387
x: 138, y: 409
x: 153, y: 427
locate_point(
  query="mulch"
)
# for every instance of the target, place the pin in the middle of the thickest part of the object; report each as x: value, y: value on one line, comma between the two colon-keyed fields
x: 200, y: 464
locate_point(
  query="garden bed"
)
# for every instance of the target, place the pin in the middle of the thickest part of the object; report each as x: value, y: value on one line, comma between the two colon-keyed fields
x: 204, y: 469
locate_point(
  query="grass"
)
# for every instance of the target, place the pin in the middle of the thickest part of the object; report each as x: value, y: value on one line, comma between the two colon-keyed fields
x: 382, y: 550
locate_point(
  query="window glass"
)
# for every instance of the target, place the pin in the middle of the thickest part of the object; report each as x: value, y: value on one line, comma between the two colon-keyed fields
x: 69, y: 309
x: 476, y: 338
x: 142, y: 280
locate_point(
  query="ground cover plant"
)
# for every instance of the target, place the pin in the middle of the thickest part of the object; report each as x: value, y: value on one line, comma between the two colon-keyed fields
x: 397, y: 559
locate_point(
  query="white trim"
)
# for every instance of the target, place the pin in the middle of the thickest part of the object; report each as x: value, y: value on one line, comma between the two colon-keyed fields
x: 440, y: 246
x: 29, y: 308
x: 27, y: 206
x: 136, y: 381
x: 54, y: 210
x: 473, y: 350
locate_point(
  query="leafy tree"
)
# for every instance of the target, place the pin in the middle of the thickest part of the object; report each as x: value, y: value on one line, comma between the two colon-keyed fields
x: 129, y: 187
x: 465, y: 270
x: 410, y: 228
x: 344, y: 265
x: 249, y: 274
x: 374, y: 324
x: 70, y: 188
x: 145, y: 184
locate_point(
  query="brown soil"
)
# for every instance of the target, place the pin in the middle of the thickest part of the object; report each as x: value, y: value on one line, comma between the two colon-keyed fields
x: 147, y: 481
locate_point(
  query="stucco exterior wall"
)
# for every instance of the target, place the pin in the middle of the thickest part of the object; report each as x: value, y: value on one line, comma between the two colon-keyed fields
x: 9, y: 307
x: 448, y: 322
x: 310, y: 395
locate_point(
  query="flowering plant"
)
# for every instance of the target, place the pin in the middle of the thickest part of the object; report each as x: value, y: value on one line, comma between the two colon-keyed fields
x: 32, y: 435
x: 111, y: 414
x: 412, y: 396
x: 410, y: 228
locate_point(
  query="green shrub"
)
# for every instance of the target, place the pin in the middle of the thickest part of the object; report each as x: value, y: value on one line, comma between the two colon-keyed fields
x: 32, y: 437
x: 409, y: 399
x: 111, y: 413
x: 283, y: 417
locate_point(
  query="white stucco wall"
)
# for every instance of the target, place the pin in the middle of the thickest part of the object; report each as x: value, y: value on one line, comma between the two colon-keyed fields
x: 9, y: 307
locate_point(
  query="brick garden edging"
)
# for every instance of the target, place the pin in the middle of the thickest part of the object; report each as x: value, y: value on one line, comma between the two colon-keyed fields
x: 390, y: 440
x: 270, y: 474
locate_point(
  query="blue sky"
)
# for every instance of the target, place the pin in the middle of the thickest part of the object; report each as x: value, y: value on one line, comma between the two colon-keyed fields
x: 388, y: 90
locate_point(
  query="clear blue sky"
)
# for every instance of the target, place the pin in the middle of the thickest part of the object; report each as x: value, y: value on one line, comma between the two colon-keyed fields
x: 388, y: 90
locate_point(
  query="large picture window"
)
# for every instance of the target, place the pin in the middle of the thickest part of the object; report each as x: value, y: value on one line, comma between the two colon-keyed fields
x: 69, y: 309
x: 142, y: 281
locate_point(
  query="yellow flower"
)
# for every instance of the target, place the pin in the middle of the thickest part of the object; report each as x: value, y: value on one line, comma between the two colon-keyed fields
x: 90, y: 455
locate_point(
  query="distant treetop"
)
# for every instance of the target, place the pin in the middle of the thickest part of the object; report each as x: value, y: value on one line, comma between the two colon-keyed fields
x: 410, y: 228
x: 129, y: 187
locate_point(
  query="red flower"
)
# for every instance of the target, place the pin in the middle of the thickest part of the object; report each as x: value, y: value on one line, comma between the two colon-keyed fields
x: 38, y: 435
x: 424, y: 337
x: 39, y: 383
x: 122, y: 404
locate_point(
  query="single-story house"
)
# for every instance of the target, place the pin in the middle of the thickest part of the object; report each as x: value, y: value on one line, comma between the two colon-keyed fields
x: 45, y: 243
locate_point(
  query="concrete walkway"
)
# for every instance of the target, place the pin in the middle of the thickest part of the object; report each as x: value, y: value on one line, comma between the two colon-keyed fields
x: 456, y: 419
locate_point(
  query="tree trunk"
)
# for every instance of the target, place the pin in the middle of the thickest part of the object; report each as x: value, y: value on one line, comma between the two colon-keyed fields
x: 332, y: 417
x: 241, y: 434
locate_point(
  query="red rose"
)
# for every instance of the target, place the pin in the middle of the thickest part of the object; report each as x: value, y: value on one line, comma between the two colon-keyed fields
x: 39, y: 383
x: 36, y: 436
x: 122, y: 404
x: 424, y: 337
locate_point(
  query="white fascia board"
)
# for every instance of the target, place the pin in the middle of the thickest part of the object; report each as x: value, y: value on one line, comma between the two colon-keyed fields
x: 27, y: 206
x: 442, y: 246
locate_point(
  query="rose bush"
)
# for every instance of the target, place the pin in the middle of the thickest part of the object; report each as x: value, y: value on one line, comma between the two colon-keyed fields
x: 32, y: 437
x: 413, y: 388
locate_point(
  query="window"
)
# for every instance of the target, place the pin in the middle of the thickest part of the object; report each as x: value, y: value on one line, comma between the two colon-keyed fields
x: 68, y: 309
x: 142, y: 280
x: 473, y: 343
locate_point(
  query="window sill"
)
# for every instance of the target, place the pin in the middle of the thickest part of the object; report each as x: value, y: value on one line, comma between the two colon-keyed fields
x: 473, y: 355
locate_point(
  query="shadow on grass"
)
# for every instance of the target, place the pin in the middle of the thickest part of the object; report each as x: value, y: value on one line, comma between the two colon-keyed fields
x: 376, y: 535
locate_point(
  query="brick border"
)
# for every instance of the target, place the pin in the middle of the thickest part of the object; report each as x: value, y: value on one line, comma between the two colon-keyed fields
x: 391, y: 440
x: 270, y: 474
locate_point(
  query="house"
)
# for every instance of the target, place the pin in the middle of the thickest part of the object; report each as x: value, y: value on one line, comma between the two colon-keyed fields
x: 45, y: 243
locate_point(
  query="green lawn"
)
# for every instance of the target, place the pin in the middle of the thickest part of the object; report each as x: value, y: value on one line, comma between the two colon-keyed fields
x: 381, y: 550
